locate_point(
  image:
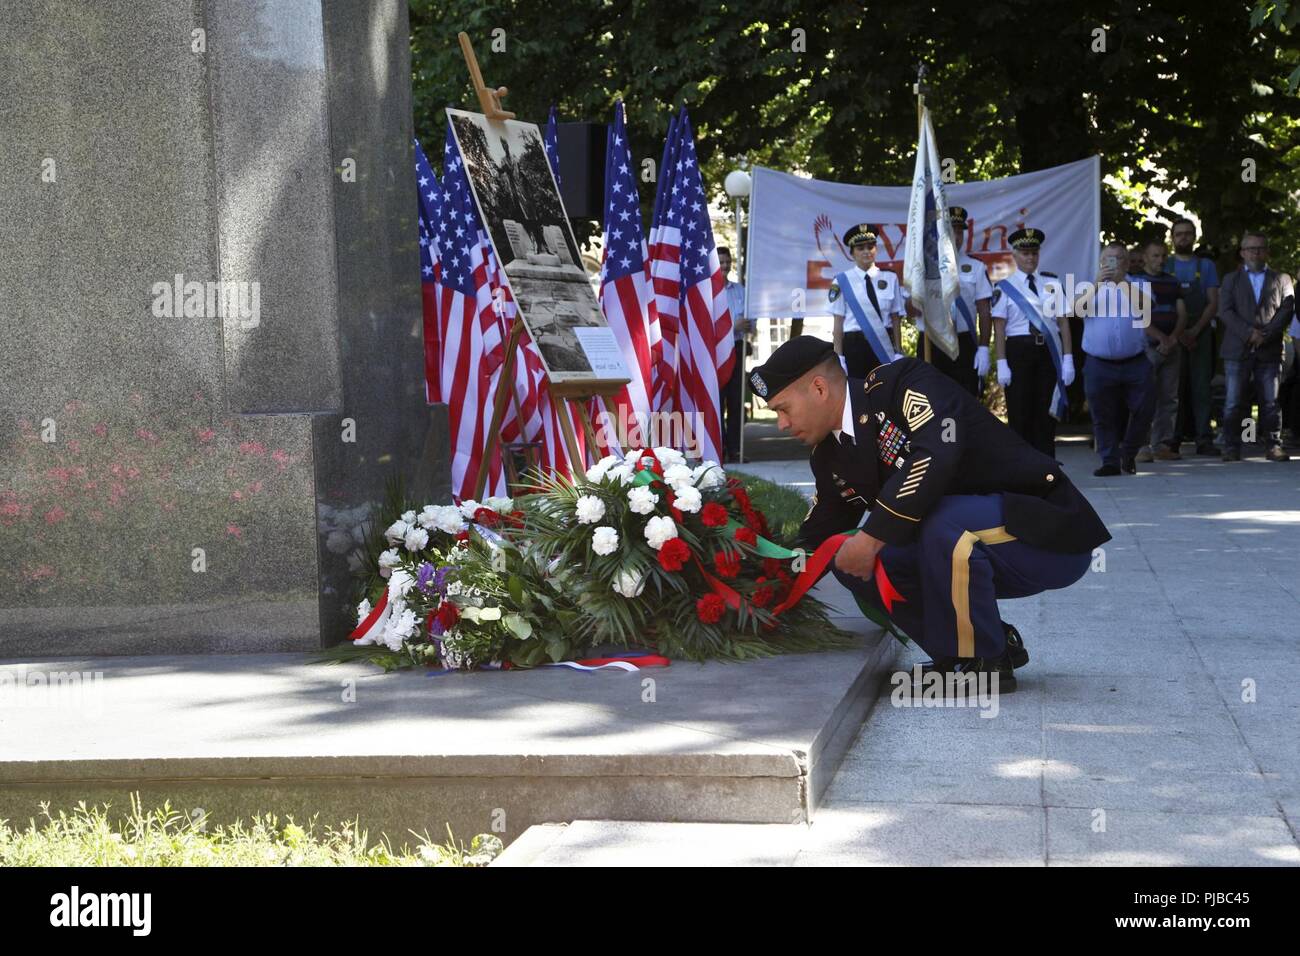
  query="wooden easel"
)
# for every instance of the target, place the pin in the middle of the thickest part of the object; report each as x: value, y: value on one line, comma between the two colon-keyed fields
x: 568, y: 394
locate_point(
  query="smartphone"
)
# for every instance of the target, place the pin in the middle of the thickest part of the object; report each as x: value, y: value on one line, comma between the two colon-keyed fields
x: 1111, y: 266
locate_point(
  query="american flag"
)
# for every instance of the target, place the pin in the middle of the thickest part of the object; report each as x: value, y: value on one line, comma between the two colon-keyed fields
x: 429, y: 195
x: 470, y: 326
x: 626, y: 291
x: 706, y: 353
x: 552, y: 141
x: 665, y: 239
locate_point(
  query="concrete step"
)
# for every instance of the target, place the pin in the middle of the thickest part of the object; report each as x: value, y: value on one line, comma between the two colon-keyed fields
x: 648, y: 843
x: 489, y: 751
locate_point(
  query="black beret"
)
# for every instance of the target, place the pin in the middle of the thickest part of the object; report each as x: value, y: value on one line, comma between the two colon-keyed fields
x: 862, y: 232
x: 787, y: 363
x: 1026, y: 238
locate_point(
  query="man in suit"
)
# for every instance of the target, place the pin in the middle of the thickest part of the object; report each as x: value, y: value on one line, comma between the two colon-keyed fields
x: 958, y: 508
x: 1255, y: 305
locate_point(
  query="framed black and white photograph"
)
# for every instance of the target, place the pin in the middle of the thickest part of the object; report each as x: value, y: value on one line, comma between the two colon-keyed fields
x: 520, y: 205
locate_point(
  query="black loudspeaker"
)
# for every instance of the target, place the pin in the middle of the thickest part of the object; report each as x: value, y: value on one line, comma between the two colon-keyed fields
x: 582, y: 169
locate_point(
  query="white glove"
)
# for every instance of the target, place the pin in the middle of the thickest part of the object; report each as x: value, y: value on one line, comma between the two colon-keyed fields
x: 1004, y: 373
x: 1067, y: 369
x: 982, y: 361
x: 898, y: 356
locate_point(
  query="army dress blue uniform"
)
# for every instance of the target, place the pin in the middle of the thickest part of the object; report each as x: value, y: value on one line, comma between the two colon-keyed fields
x: 968, y: 510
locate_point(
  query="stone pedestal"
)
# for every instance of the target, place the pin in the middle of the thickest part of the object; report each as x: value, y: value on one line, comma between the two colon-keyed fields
x: 211, y: 353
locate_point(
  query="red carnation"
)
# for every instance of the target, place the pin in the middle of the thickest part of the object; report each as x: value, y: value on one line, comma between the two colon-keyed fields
x: 728, y: 565
x: 746, y: 535
x: 674, y: 554
x: 713, y: 515
x: 447, y: 615
x: 742, y: 498
x: 462, y: 536
x: 763, y: 594
x: 710, y: 608
x: 751, y: 520
x: 487, y: 517
x: 771, y: 566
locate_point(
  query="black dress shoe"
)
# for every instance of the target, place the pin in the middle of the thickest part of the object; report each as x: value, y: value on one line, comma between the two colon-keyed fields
x: 1015, y: 653
x: 1129, y: 466
x: 1209, y: 450
x: 1277, y: 454
x: 1105, y: 471
x: 1231, y: 455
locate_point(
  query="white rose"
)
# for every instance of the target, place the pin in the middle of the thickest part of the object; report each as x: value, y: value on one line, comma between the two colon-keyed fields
x: 642, y: 500
x: 417, y: 539
x: 629, y: 583
x: 689, y: 500
x: 659, y: 530
x: 604, y: 540
x: 590, y: 509
x: 396, y: 531
x: 468, y: 507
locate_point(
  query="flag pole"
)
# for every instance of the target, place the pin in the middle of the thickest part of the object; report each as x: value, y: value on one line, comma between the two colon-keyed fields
x: 919, y: 88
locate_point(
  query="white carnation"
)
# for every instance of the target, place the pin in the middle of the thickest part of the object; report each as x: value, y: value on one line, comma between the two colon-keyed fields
x: 622, y: 473
x: 629, y: 583
x: 590, y: 509
x: 689, y: 499
x: 400, y: 627
x: 659, y: 530
x: 387, y: 561
x: 641, y: 500
x: 709, y: 475
x: 400, y: 584
x: 598, y: 471
x: 396, y: 531
x: 449, y: 519
x: 408, y: 517
x: 678, y: 474
x: 468, y: 507
x: 604, y: 540
x: 417, y: 539
x: 670, y: 456
x: 501, y: 506
x: 363, y: 610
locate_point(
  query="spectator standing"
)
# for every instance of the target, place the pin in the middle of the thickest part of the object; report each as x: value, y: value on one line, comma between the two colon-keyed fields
x: 733, y: 393
x: 1199, y: 281
x: 1168, y: 322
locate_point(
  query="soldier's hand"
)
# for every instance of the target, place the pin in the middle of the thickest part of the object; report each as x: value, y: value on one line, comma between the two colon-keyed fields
x: 857, y: 556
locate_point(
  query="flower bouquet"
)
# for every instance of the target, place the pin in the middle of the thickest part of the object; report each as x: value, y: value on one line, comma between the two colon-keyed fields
x: 644, y: 552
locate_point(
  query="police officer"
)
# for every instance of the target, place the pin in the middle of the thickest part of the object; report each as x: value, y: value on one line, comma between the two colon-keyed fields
x: 959, y: 509
x: 865, y: 301
x: 971, y: 316
x: 1032, y: 336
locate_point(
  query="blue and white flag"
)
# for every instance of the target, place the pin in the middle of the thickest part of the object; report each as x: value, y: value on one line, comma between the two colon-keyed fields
x: 930, y: 257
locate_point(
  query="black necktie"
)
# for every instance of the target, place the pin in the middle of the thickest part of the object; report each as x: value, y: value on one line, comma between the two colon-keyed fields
x: 1032, y: 288
x: 846, y: 439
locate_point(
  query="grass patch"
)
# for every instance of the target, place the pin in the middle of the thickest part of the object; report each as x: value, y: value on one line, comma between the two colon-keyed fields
x: 163, y: 836
x: 785, y: 507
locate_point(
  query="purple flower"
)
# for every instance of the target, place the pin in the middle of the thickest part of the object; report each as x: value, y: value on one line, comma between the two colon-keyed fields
x: 440, y: 580
x: 436, y: 630
x: 422, y: 578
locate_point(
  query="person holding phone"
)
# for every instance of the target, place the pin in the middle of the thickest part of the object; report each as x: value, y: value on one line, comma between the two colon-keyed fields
x: 1117, y: 374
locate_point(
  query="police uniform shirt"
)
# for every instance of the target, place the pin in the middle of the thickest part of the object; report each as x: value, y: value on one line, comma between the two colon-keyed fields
x: 888, y: 293
x: 1050, y: 298
x: 921, y: 436
x: 974, y: 287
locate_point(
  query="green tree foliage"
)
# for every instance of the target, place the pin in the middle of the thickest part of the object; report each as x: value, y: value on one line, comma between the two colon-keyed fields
x: 1174, y: 97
